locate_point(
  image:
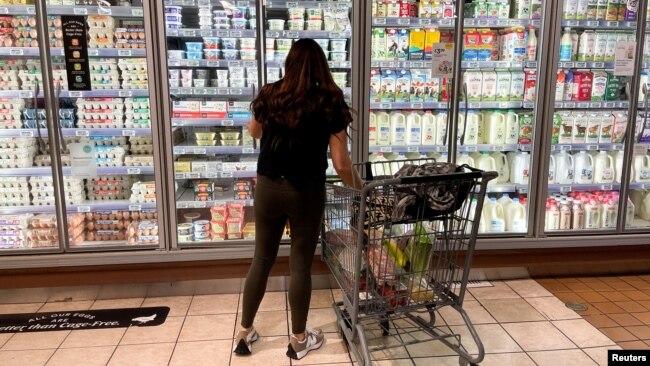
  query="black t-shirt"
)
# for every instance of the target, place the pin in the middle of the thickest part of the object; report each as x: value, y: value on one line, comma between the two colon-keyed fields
x: 298, y: 154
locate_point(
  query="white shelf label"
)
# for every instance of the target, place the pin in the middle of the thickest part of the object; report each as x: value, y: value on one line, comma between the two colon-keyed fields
x: 565, y: 147
x: 425, y: 21
x: 234, y: 64
x: 569, y: 105
x: 226, y: 175
x: 205, y: 32
x: 193, y: 175
x: 181, y: 205
x: 4, y: 10
x: 572, y: 23
x: 75, y: 94
x: 592, y: 23
x: 417, y: 64
x: 497, y: 147
x: 179, y: 175
x: 192, y: 63
x: 135, y: 208
x: 502, y: 22
x: 386, y: 149
x: 417, y: 105
x: 581, y: 65
x: 199, y: 204
x: 16, y: 52
x: 446, y: 22
x: 31, y: 10
x: 592, y: 147
x: 137, y: 12
x: 474, y: 105
x: 200, y: 91
x: 606, y: 187
x: 379, y: 21
x: 26, y: 94
x: 179, y: 151
x: 83, y: 208
x: 599, y: 65
x: 236, y: 91
x: 609, y: 105
x: 133, y: 171
x: 471, y: 148
x: 125, y: 93
x: 26, y: 133
x: 82, y: 133
x: 129, y: 133
x: 292, y: 34
x: 200, y: 151
x: 93, y: 52
x: 595, y: 105
x: 523, y: 190
x: 473, y: 65
x: 213, y: 64
x: 80, y: 11
x: 248, y: 150
x: 337, y: 35
x: 612, y: 24
x: 618, y: 147
x: 124, y: 53
x: 483, y: 22
x: 413, y: 149
x: 292, y: 4
x: 583, y: 105
x: 189, y: 33
x: 227, y: 122
x: 104, y: 11
x: 403, y: 21
x: 236, y: 34
x: 565, y: 189
x: 443, y: 148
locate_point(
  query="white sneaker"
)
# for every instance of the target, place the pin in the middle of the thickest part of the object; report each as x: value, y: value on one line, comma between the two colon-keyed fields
x: 244, y: 342
x: 313, y: 340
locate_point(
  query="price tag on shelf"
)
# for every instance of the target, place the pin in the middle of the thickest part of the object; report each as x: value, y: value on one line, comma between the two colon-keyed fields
x: 26, y: 94
x: 569, y: 104
x: 470, y: 22
x: 598, y: 65
x: 236, y: 91
x: 31, y: 10
x: 565, y: 147
x: 618, y: 147
x: 135, y: 207
x: 403, y: 21
x: 129, y: 133
x: 226, y: 174
x: 272, y: 34
x: 212, y: 64
x: 247, y: 150
x: 138, y: 12
x: 385, y: 105
x: 93, y: 52
x: 442, y: 148
x: 16, y: 52
x: 124, y: 53
x: 559, y: 105
x: 442, y: 59
x: 471, y: 148
x: 572, y: 23
x: 417, y: 64
x: 179, y: 151
x: 192, y: 63
x: 592, y: 23
x: 222, y: 91
x: 581, y: 65
x: 179, y: 175
x: 386, y: 149
x: 228, y: 122
x: 205, y: 32
x: 497, y: 148
x: 292, y: 4
x: 425, y: 21
x: 189, y: 32
x: 193, y: 175
x: 83, y: 208
x: 181, y: 205
x: 582, y: 105
x: 82, y: 133
x: 612, y: 24
x: 337, y: 35
x: 234, y: 64
x: 133, y: 171
x: 522, y: 189
x: 566, y: 189
x: 26, y: 133
x: 185, y: 91
x: 172, y: 32
x: 80, y: 11
x: 235, y: 34
x: 502, y: 22
x: 413, y: 149
x: 623, y: 104
x: 223, y: 33
x: 4, y: 10
x: 606, y: 187
x: 200, y: 151
x: 595, y: 105
x: 639, y: 149
x: 378, y: 21
x: 503, y: 104
x: 249, y: 64
x: 292, y: 34
x: 417, y: 105
x: 200, y: 91
x: 125, y: 93
x: 211, y: 175
x: 609, y: 105
x: 474, y: 105
x: 592, y: 147
x: 104, y: 11
x: 473, y: 65
x: 75, y: 94
x: 483, y: 22
x: 199, y: 204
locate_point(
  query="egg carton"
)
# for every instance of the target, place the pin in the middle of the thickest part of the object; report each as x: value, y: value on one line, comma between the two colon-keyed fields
x: 10, y: 114
x: 108, y: 123
x: 7, y: 85
x: 101, y: 21
x: 97, y: 225
x: 11, y: 124
x: 15, y: 163
x: 100, y: 114
x: 138, y: 161
x: 49, y: 201
x: 142, y: 149
x: 141, y: 140
x: 6, y: 75
x: 100, y: 103
x: 96, y: 85
x: 12, y: 201
x: 17, y: 195
x: 46, y: 181
x: 136, y: 103
x: 109, y: 141
x: 131, y: 77
x: 135, y: 85
x: 143, y: 232
x: 7, y: 103
x: 131, y: 33
x: 9, y: 192
x: 13, y: 142
x: 126, y: 63
x: 6, y: 184
x: 17, y: 153
x: 108, y: 195
x: 15, y: 221
x: 49, y: 191
x: 14, y: 244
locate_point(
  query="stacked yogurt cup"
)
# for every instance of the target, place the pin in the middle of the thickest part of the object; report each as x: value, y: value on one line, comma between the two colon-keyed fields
x: 173, y: 17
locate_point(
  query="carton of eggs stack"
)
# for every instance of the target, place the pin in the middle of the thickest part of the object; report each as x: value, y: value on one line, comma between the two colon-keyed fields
x: 25, y: 34
x: 130, y: 36
x: 14, y: 191
x: 17, y: 152
x: 13, y: 231
x: 137, y: 113
x: 134, y: 73
x: 100, y: 113
x: 107, y: 225
x: 109, y: 155
x: 143, y: 232
x: 141, y: 152
x: 10, y: 112
x: 101, y: 31
x: 143, y: 192
x: 44, y: 159
x: 109, y: 188
x: 33, y: 116
x: 9, y: 79
x: 42, y: 189
x: 104, y: 74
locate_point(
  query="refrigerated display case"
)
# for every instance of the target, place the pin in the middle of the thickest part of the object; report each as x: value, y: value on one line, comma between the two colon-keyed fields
x: 110, y: 204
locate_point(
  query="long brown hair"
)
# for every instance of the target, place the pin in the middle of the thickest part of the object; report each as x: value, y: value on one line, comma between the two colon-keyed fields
x: 307, y: 89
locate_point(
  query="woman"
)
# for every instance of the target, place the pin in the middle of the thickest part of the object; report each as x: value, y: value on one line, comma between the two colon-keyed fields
x: 297, y: 118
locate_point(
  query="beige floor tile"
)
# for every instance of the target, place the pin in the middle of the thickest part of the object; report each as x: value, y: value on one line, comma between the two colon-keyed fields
x: 142, y: 354
x: 267, y: 351
x: 337, y: 294
x: 123, y: 291
x: 618, y: 334
x: 269, y: 323
x: 135, y: 302
x: 599, y: 354
x: 178, y: 305
x: 214, y: 304
x: 20, y: 308
x: 493, y: 336
x: 425, y: 349
x: 538, y: 336
x: 25, y: 358
x: 437, y: 361
x: 507, y: 359
x: 400, y: 362
x: 35, y: 340
x: 321, y: 299
x: 66, y: 306
x: 528, y: 288
x: 175, y: 288
x: 204, y: 353
x: 511, y: 310
x: 164, y: 333
x: 582, y: 333
x: 272, y: 301
x: 499, y: 291
x: 552, y: 308
x: 208, y: 327
x: 4, y: 337
x: 476, y: 312
x: 87, y: 356
x: 334, y: 350
x: 574, y: 357
x: 94, y: 338
x: 323, y: 318
x: 396, y: 351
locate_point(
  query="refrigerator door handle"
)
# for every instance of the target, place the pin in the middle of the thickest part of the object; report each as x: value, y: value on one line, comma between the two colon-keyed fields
x: 462, y: 137
x: 57, y: 116
x: 37, y: 119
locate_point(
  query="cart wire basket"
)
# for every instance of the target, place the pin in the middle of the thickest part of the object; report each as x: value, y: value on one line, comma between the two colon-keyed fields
x: 400, y: 249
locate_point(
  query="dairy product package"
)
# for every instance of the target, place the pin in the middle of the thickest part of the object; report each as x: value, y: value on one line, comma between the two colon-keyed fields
x: 387, y: 91
x: 473, y: 80
x: 599, y: 85
x: 403, y: 86
x: 504, y: 78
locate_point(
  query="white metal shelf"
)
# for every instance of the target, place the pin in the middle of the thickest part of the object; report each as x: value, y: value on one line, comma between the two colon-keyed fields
x: 32, y: 132
x: 185, y: 199
x: 47, y: 171
x: 191, y: 33
x: 587, y: 147
x: 91, y: 206
x: 116, y: 11
x: 58, y: 51
x: 209, y: 122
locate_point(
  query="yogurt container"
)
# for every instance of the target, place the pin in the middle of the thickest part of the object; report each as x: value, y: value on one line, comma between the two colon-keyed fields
x: 174, y: 83
x: 212, y: 54
x: 239, y: 12
x: 296, y: 13
x: 314, y: 24
x: 194, y: 46
x: 201, y: 225
x: 247, y: 43
x: 173, y: 9
x: 202, y: 235
x: 323, y: 43
x: 283, y: 44
x: 239, y: 24
x: 337, y: 56
x: 194, y: 55
x: 220, y: 13
x: 276, y: 24
x: 296, y: 24
x: 248, y: 54
x: 173, y: 18
x: 211, y: 43
x: 338, y: 45
x: 174, y: 25
x: 229, y: 43
x: 230, y: 55
x: 186, y: 238
x: 314, y: 14
x: 185, y: 229
x: 175, y: 55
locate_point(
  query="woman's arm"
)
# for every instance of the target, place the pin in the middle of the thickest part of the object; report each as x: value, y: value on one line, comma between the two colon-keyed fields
x: 342, y: 162
x: 255, y: 128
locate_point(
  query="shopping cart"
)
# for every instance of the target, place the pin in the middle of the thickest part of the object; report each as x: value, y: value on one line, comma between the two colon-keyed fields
x: 397, y: 266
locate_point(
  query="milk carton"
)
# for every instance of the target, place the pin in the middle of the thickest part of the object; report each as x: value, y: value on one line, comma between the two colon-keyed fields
x: 403, y: 86
x: 584, y: 80
x: 388, y: 81
x: 418, y: 84
x: 392, y: 44
x: 521, y: 9
x: 566, y: 121
x: 416, y: 45
x: 375, y: 86
x: 600, y: 46
x: 580, y: 121
x: 610, y: 47
x: 504, y: 79
x: 432, y: 36
x: 606, y: 127
x: 601, y: 9
x: 620, y: 126
x: 489, y: 86
x: 598, y: 85
x: 530, y: 85
x: 473, y: 81
x: 517, y: 86
x: 404, y: 39
x: 378, y: 50
x: 486, y: 39
x: 432, y: 89
x: 593, y: 128
x: 526, y: 128
x: 613, y: 89
x: 470, y: 45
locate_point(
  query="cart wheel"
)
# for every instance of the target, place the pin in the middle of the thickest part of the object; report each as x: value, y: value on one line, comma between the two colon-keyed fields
x: 385, y: 326
x: 432, y: 316
x: 464, y: 362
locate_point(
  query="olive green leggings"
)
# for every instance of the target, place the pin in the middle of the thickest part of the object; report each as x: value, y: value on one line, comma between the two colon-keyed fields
x: 276, y: 201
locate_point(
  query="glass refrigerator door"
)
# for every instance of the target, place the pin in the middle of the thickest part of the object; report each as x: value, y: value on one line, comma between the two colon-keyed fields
x: 111, y: 201
x: 589, y: 119
x: 500, y: 62
x: 27, y: 224
x: 212, y: 53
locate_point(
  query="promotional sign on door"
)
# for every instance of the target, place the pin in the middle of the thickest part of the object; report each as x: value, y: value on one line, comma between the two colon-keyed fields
x: 442, y: 60
x: 624, y: 58
x: 82, y: 160
x: 75, y: 44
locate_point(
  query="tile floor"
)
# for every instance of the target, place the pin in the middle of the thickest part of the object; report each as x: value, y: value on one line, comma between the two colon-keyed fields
x: 520, y: 323
x: 618, y: 306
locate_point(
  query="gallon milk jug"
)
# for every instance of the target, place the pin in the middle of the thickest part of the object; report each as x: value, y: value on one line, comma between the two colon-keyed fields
x: 512, y: 128
x: 472, y: 127
x: 618, y: 164
x: 644, y: 207
x: 584, y: 168
x: 372, y: 129
x: 641, y: 168
x: 464, y: 158
x: 441, y: 128
x: 428, y: 129
x: 383, y: 129
x: 609, y: 214
x: 520, y: 167
x: 378, y: 169
x: 515, y: 216
x: 495, y: 129
x: 413, y: 128
x: 636, y: 196
x: 603, y: 168
x: 494, y: 216
x: 551, y: 169
x: 504, y: 201
x: 503, y: 167
x: 592, y: 215
x: 630, y: 212
x: 397, y: 128
x: 564, y: 168
x: 578, y: 218
x: 552, y: 217
x: 486, y: 163
x: 565, y: 215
